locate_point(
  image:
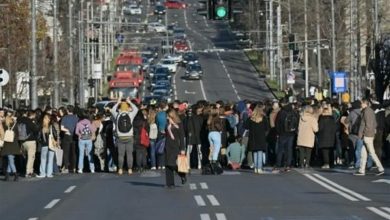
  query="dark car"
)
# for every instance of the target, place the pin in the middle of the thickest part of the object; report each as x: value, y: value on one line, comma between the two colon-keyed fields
x: 153, y: 100
x: 158, y: 78
x: 190, y: 57
x: 193, y: 71
x: 159, y: 10
x: 162, y: 85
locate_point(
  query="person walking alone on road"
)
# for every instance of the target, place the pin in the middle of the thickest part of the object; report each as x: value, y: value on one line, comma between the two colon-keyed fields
x: 258, y: 127
x: 123, y: 123
x: 47, y: 156
x: 174, y: 145
x: 367, y: 130
x: 326, y: 135
x: 308, y: 126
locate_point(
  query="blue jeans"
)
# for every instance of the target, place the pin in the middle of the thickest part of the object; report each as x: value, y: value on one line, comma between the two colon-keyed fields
x: 152, y: 154
x: 258, y: 157
x: 285, y: 147
x: 358, y: 154
x: 11, y: 168
x: 86, y: 145
x: 47, y: 157
x: 215, y: 144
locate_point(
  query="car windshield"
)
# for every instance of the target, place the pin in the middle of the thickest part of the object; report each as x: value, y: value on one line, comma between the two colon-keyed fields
x: 160, y: 77
x: 131, y: 92
x: 160, y: 7
x: 160, y: 92
x: 162, y: 71
x: 168, y: 62
x: 194, y: 68
x: 133, y: 68
x: 178, y: 31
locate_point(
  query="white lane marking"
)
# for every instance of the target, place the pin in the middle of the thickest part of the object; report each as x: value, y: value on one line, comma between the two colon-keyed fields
x: 199, y: 200
x: 228, y: 75
x: 189, y: 92
x: 193, y: 186
x: 342, y: 188
x: 205, y: 217
x: 70, y: 189
x: 382, y: 181
x: 213, y: 200
x: 387, y: 209
x: 379, y: 212
x: 203, y: 91
x: 52, y: 203
x: 35, y: 218
x: 331, y: 188
x: 204, y: 186
x: 220, y: 216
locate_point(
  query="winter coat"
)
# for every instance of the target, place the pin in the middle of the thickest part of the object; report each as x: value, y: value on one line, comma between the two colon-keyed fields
x: 307, y: 128
x: 280, y: 121
x: 368, y: 123
x: 43, y: 138
x: 174, y: 146
x: 194, y: 126
x: 11, y: 148
x: 326, y: 131
x: 257, y: 140
x: 138, y: 123
x: 31, y: 128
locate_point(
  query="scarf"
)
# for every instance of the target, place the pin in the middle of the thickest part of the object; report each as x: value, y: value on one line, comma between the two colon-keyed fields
x: 170, y: 130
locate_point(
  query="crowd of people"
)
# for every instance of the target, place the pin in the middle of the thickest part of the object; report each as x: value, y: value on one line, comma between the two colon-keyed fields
x: 248, y: 134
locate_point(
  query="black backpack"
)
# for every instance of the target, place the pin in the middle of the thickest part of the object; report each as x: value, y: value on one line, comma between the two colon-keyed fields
x: 291, y: 122
x: 356, y: 126
x: 123, y: 125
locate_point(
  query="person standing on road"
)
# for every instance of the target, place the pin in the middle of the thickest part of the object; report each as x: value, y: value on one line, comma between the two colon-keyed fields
x: 11, y: 148
x: 47, y: 155
x: 153, y: 133
x: 140, y: 122
x: 123, y: 122
x: 68, y: 143
x: 194, y: 127
x: 326, y: 135
x: 308, y: 126
x: 161, y: 121
x: 367, y: 130
x: 174, y: 145
x: 258, y: 127
x: 85, y: 131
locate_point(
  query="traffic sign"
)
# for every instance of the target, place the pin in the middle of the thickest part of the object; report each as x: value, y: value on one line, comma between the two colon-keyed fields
x: 4, y: 77
x: 339, y: 84
x: 290, y: 78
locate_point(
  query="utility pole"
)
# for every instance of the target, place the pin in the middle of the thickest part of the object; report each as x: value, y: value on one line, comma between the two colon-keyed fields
x: 34, y: 94
x: 70, y: 38
x: 81, y: 56
x: 280, y: 44
x: 56, y: 82
x: 268, y: 54
x: 333, y: 46
x: 306, y: 54
x: 101, y: 49
x: 291, y: 52
x: 88, y: 46
x: 352, y: 60
x: 319, y: 64
x: 271, y: 39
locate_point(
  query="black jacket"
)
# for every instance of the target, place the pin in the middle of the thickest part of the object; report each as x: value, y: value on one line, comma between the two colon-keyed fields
x: 43, y: 138
x: 31, y: 127
x: 138, y: 123
x: 174, y: 146
x: 326, y: 131
x: 280, y: 121
x: 257, y: 140
x: 194, y: 127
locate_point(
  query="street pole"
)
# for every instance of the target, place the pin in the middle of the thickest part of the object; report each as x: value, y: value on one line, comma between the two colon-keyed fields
x: 88, y: 52
x: 81, y: 56
x: 319, y: 64
x: 352, y: 65
x: 56, y: 82
x: 271, y: 43
x: 306, y: 54
x: 101, y: 49
x: 268, y: 54
x: 333, y: 46
x: 34, y: 95
x: 280, y: 51
x: 70, y: 38
x: 290, y: 32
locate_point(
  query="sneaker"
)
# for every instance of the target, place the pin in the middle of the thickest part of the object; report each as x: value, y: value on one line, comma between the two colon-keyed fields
x: 256, y: 170
x: 325, y: 166
x: 359, y: 174
x: 260, y: 171
x: 163, y: 167
x: 80, y: 171
x: 153, y: 168
x: 130, y: 171
x: 50, y: 176
x: 92, y: 171
x: 380, y: 173
x: 41, y: 176
x: 65, y: 171
x: 199, y: 167
x: 120, y: 172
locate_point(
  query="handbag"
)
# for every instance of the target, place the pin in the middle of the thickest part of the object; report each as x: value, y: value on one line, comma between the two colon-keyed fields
x: 9, y: 135
x: 182, y: 164
x: 160, y: 146
x: 52, y: 143
x: 59, y: 153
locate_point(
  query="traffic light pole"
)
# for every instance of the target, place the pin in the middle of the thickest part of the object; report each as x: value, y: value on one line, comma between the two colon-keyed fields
x: 319, y: 65
x: 33, y: 94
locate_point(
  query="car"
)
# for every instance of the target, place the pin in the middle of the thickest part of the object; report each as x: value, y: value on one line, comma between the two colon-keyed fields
x: 177, y: 57
x: 135, y: 10
x: 162, y: 87
x: 150, y: 71
x: 175, y: 4
x: 153, y: 100
x: 181, y: 46
x: 165, y: 94
x: 193, y: 71
x: 171, y: 28
x: 158, y: 78
x: 189, y: 57
x: 170, y: 64
x: 179, y: 33
x: 159, y: 10
x: 243, y: 39
x: 157, y: 27
x: 149, y: 55
x: 161, y: 70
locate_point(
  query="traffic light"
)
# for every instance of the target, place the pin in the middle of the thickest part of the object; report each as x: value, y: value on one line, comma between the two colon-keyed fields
x: 291, y: 42
x: 221, y: 9
x: 91, y: 83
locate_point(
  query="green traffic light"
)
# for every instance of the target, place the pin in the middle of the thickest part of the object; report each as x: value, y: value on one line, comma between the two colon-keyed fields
x: 221, y: 12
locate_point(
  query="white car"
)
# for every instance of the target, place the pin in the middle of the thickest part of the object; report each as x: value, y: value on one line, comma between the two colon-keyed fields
x: 176, y: 57
x: 157, y: 27
x: 135, y: 10
x: 170, y: 64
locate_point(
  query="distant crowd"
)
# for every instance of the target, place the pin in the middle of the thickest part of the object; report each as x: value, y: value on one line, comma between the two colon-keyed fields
x: 134, y: 137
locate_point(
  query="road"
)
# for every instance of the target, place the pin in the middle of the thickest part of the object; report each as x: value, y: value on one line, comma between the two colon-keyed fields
x: 234, y: 195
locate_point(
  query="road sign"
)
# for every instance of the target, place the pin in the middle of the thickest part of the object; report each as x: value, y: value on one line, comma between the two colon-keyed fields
x: 4, y: 77
x: 97, y: 71
x: 339, y: 84
x: 290, y: 78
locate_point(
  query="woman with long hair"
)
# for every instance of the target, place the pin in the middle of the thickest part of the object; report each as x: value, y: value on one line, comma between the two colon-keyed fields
x: 174, y: 146
x: 86, y: 133
x: 11, y: 148
x: 308, y: 126
x: 46, y: 130
x: 215, y: 128
x: 258, y: 127
x: 153, y: 134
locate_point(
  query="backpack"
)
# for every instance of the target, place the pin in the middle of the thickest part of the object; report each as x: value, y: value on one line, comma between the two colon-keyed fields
x: 356, y: 126
x: 86, y: 133
x: 290, y: 122
x: 123, y: 125
x: 144, y: 136
x: 22, y: 132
